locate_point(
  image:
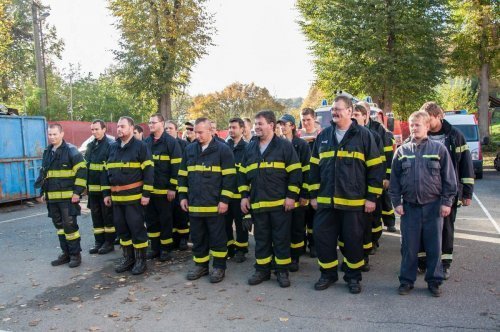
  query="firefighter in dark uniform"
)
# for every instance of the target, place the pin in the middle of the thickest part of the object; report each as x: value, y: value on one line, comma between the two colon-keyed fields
x: 270, y: 179
x: 102, y: 216
x: 166, y: 154
x: 239, y: 247
x: 388, y: 216
x: 309, y: 134
x: 345, y: 179
x: 454, y: 141
x: 297, y: 245
x: 63, y: 179
x: 180, y: 231
x: 207, y: 182
x: 130, y: 175
x: 423, y: 189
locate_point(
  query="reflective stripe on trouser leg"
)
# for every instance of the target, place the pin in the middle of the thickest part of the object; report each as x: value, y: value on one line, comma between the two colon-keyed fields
x: 352, y: 228
x: 241, y: 242
x: 97, y: 217
x: 297, y: 235
x: 448, y: 237
x: 388, y: 215
x: 129, y: 221
x: 310, y: 212
x: 179, y: 221
x: 375, y: 219
x: 327, y: 230
x: 280, y: 221
x: 217, y: 240
x: 68, y: 213
x: 228, y: 226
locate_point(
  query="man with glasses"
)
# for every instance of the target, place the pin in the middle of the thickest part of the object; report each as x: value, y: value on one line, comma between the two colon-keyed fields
x: 166, y: 154
x: 345, y: 179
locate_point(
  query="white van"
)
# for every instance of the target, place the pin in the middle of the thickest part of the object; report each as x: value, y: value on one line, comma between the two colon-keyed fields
x: 467, y: 124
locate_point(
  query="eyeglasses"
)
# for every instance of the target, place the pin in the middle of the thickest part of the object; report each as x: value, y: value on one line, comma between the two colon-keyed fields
x: 153, y: 123
x: 339, y: 109
x: 189, y: 128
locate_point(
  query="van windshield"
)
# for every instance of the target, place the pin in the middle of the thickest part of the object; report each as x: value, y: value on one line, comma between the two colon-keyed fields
x: 469, y: 131
x: 324, y: 118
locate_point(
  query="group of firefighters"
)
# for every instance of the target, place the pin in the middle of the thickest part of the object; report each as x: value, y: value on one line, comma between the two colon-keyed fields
x: 298, y: 189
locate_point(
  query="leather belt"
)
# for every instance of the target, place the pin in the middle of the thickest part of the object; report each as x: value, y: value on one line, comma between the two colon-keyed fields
x: 126, y: 187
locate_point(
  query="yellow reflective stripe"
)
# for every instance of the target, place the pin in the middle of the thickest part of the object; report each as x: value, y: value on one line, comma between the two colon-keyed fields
x: 141, y: 245
x: 309, y: 230
x: 227, y: 193
x: 228, y: 171
x: 447, y: 256
x: 273, y: 164
x: 183, y: 173
x: 294, y: 189
x: 293, y: 167
x: 147, y: 187
x: 96, y: 167
x: 230, y: 243
x: 328, y: 265
x: 353, y: 154
x: 306, y: 168
x: 60, y: 232
x: 159, y: 191
x: 387, y: 213
x: 354, y: 265
x: 368, y: 245
x: 81, y: 164
x: 105, y: 187
x: 282, y: 261
x: 263, y: 261
x: 297, y: 245
x: 324, y: 200
x: 94, y: 187
x: 373, y: 162
x: 421, y: 254
x: 314, y: 160
x: 123, y: 165
x: 201, y: 259
x: 80, y: 182
x: 98, y: 230
x: 264, y: 204
x: 467, y: 180
x: 203, y: 209
x: 236, y: 196
x: 183, y: 231
x: 348, y: 202
x: 72, y: 236
x: 146, y: 164
x: 406, y: 156
x: 166, y: 241
x: 462, y: 148
x: 67, y: 173
x: 182, y: 189
x: 126, y: 198
x: 388, y: 148
x: 340, y: 243
x: 241, y: 244
x: 375, y: 190
x: 59, y: 194
x: 218, y: 254
x: 388, y: 171
x: 326, y: 154
x: 431, y: 156
x: 313, y: 186
x: 201, y: 168
x: 155, y: 234
x: 377, y: 229
x: 248, y: 168
x: 243, y: 188
x: 126, y: 243
x: 383, y: 158
x: 161, y: 157
x: 109, y: 230
x: 174, y: 182
x: 176, y: 160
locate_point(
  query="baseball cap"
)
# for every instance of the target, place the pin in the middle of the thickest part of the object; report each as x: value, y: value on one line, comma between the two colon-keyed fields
x: 287, y: 118
x: 189, y: 123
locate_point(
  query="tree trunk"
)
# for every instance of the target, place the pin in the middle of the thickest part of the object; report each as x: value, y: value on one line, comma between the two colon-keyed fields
x: 483, y: 101
x: 165, y: 105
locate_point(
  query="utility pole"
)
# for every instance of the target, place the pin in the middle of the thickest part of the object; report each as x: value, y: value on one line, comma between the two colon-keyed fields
x: 40, y: 72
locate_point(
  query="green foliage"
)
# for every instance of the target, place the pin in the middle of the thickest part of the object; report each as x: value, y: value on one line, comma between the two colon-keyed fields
x: 456, y: 94
x: 391, y: 50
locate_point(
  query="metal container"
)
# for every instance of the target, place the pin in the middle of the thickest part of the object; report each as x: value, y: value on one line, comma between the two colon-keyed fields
x: 22, y: 142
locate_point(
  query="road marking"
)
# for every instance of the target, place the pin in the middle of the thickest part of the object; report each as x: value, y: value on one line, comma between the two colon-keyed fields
x: 487, y: 213
x: 463, y: 236
x: 26, y: 217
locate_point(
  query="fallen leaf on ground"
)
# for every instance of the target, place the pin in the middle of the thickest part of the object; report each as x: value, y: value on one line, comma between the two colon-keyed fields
x: 283, y: 319
x: 259, y: 299
x: 114, y: 314
x: 94, y: 328
x: 75, y: 299
x: 34, y: 322
x: 235, y: 317
x: 6, y: 319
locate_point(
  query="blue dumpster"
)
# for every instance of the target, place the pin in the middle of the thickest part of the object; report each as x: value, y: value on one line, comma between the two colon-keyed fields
x: 22, y: 142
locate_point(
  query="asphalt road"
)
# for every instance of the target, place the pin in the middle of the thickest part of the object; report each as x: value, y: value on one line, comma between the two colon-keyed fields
x: 35, y: 296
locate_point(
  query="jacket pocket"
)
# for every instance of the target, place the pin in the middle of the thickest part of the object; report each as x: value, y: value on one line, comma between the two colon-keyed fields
x: 405, y: 167
x: 434, y: 167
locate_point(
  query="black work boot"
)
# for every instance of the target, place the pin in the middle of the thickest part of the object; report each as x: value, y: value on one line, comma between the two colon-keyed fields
x: 95, y: 248
x: 354, y: 286
x: 153, y: 249
x: 325, y: 281
x: 294, y: 265
x: 75, y: 260
x: 183, y: 244
x: 106, y: 248
x: 128, y: 260
x: 239, y: 257
x: 258, y: 277
x: 283, y: 279
x: 63, y: 258
x: 312, y: 252
x: 434, y: 289
x: 366, y: 266
x: 140, y: 265
x: 165, y: 256
x: 197, y: 272
x: 217, y: 275
x: 391, y: 229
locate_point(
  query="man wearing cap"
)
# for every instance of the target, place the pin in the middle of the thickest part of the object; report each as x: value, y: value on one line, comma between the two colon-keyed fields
x: 289, y: 130
x: 189, y: 134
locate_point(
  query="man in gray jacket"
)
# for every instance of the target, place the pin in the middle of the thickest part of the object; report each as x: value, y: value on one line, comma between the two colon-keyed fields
x: 423, y: 187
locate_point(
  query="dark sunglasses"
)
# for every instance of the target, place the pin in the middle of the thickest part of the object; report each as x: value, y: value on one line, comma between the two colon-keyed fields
x: 189, y: 128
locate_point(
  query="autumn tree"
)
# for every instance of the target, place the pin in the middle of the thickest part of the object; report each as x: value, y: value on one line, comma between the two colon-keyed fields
x: 161, y: 40
x: 236, y: 100
x: 314, y: 98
